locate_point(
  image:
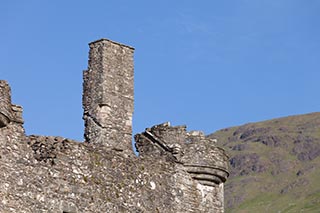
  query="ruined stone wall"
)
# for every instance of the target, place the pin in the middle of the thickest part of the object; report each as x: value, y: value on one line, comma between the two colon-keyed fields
x: 176, y: 171
x: 53, y: 174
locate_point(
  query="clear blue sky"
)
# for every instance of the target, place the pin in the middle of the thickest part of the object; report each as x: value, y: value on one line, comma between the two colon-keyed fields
x: 209, y: 64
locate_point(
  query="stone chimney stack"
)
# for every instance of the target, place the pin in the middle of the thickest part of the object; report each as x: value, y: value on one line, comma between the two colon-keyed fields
x: 108, y: 95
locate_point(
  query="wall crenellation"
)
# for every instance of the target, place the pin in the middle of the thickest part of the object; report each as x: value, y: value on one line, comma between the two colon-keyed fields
x: 176, y: 170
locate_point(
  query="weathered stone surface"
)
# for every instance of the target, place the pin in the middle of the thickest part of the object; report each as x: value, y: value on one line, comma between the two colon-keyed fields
x: 5, y: 104
x: 176, y: 171
x: 108, y: 94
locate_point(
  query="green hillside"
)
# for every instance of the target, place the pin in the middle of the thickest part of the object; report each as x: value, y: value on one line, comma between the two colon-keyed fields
x: 274, y: 165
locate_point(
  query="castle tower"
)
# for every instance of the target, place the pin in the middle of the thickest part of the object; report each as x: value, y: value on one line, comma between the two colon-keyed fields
x: 108, y: 95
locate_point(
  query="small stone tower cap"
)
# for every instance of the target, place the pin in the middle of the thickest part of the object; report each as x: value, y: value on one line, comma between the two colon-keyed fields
x: 108, y: 40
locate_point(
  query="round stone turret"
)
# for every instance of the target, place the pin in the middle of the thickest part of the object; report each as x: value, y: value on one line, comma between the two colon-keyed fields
x: 206, y: 162
x: 201, y: 168
x: 201, y: 158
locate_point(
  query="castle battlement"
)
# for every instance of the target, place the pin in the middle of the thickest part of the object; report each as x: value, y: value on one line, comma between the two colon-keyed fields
x: 176, y: 170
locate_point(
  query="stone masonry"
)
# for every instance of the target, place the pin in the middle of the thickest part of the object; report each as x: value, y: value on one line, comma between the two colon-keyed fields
x: 108, y: 95
x: 176, y: 170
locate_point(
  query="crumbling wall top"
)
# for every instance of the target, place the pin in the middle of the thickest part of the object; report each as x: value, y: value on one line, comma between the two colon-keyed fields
x: 108, y: 40
x: 8, y: 112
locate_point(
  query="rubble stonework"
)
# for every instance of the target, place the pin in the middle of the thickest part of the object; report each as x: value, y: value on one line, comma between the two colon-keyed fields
x: 6, y: 112
x: 176, y: 170
x: 108, y: 94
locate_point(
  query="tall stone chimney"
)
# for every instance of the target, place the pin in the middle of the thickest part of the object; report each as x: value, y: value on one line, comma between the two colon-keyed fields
x: 108, y: 95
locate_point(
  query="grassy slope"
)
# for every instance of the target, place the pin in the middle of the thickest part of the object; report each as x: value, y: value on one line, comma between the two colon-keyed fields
x: 275, y: 165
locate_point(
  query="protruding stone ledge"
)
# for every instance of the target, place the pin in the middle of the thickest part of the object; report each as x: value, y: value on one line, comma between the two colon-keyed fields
x: 207, y: 175
x: 17, y: 112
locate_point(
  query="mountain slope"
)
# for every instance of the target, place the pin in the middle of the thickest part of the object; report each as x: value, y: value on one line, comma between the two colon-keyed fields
x: 274, y: 165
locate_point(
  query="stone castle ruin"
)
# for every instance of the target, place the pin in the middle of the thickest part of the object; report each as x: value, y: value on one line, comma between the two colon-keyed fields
x: 176, y: 170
